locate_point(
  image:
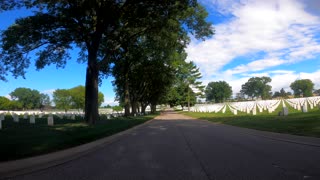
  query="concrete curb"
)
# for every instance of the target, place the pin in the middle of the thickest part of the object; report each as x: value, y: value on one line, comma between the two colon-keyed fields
x: 28, y: 165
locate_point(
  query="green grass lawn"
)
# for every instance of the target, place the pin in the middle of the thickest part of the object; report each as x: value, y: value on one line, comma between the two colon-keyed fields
x: 20, y: 140
x: 297, y: 123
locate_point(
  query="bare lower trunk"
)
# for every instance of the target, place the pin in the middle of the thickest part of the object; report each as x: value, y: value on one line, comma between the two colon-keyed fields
x: 133, y: 107
x: 138, y: 108
x: 188, y: 99
x: 143, y: 108
x: 126, y: 97
x: 153, y: 108
x: 91, y: 100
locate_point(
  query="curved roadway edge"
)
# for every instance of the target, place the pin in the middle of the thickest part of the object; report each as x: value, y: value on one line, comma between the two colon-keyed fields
x: 303, y: 140
x: 28, y: 165
x: 289, y: 138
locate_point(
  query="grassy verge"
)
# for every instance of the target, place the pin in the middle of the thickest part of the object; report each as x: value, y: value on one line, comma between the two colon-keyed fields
x: 20, y: 140
x: 297, y: 123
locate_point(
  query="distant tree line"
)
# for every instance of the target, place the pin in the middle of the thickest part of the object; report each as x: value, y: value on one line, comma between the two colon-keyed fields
x: 23, y: 99
x: 30, y: 99
x: 258, y: 87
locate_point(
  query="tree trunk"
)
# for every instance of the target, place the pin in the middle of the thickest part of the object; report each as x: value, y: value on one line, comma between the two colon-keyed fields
x: 143, y: 108
x: 153, y: 108
x: 91, y: 94
x: 138, y: 108
x: 133, y: 108
x: 126, y: 97
x: 188, y: 98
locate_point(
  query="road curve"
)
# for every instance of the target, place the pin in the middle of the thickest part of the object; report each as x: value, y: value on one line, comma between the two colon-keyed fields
x: 175, y: 147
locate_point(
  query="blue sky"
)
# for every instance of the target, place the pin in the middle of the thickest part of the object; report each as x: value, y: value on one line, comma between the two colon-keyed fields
x: 275, y: 38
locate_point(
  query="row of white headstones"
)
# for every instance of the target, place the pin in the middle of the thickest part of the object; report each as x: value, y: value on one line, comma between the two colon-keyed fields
x: 31, y: 115
x: 261, y: 105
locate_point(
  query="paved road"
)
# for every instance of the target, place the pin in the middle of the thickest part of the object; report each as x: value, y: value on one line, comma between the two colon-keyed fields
x: 176, y: 147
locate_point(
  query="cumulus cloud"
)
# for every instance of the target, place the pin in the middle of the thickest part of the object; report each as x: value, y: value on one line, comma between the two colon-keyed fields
x: 256, y: 36
x: 110, y: 101
x: 280, y: 79
x: 8, y: 96
x: 48, y: 91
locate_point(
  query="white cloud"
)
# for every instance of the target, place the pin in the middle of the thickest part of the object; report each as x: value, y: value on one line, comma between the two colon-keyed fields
x: 8, y: 96
x: 280, y: 79
x: 48, y: 91
x: 110, y: 101
x: 282, y: 30
x: 255, y: 66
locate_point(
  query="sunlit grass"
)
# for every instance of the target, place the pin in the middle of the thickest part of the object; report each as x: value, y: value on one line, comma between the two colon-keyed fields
x: 298, y: 123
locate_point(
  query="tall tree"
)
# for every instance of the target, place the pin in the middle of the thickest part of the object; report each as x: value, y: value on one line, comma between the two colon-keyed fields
x: 7, y: 104
x: 44, y: 101
x: 145, y: 65
x: 98, y: 28
x: 218, y: 91
x: 62, y: 99
x: 282, y: 93
x: 257, y: 87
x: 4, y: 103
x: 78, y: 97
x: 240, y: 96
x: 302, y: 87
x: 189, y: 74
x: 29, y: 98
x: 73, y: 98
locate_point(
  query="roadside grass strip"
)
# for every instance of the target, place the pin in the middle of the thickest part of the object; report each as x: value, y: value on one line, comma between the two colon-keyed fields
x: 23, y: 139
x: 297, y: 122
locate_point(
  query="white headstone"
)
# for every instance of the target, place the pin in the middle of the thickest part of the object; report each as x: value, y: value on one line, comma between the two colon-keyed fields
x: 73, y: 117
x: 283, y: 104
x: 248, y: 111
x: 260, y: 109
x: 1, y: 117
x: 311, y: 106
x: 40, y: 115
x: 254, y: 111
x: 304, y: 108
x: 32, y: 119
x: 235, y: 112
x: 298, y: 107
x: 224, y: 109
x: 269, y: 110
x: 15, y: 118
x: 25, y: 116
x: 50, y: 120
x: 285, y: 111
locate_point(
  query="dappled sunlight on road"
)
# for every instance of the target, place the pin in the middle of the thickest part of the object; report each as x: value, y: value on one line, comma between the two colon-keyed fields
x: 170, y: 114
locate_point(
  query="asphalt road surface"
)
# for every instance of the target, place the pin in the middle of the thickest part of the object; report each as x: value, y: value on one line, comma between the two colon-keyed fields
x: 176, y: 147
